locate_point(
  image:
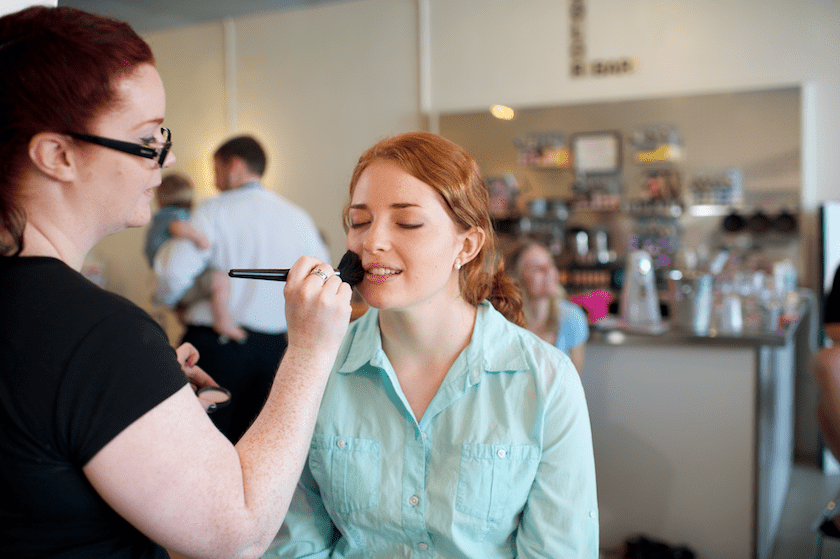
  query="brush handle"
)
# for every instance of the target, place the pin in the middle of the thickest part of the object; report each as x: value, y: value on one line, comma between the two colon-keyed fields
x: 277, y: 274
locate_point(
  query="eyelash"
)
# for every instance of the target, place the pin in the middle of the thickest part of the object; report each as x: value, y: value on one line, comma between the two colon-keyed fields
x: 147, y: 141
x: 401, y: 225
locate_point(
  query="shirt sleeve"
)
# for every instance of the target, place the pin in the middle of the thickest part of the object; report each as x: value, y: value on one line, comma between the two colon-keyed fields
x: 560, y: 518
x: 574, y: 328
x: 178, y: 261
x: 307, y: 531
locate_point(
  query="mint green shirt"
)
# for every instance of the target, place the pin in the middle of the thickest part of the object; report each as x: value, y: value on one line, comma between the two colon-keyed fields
x: 500, y: 464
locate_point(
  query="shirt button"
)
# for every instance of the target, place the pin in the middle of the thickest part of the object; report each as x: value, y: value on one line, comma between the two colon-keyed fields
x: 501, y: 453
x: 340, y: 443
x: 423, y: 547
x: 592, y: 514
x: 413, y: 501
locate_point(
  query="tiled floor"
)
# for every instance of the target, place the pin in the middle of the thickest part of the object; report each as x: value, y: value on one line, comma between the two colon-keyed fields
x: 810, y: 491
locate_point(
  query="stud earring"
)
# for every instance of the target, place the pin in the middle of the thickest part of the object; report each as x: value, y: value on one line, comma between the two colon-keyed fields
x: 457, y: 263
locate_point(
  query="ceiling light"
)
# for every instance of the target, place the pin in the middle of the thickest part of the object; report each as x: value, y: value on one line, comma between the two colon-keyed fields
x: 501, y: 112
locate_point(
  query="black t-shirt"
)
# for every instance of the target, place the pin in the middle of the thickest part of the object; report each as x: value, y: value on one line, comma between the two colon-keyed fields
x: 77, y: 366
x: 832, y: 301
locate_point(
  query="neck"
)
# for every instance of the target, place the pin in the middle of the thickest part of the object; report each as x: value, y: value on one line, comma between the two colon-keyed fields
x: 242, y: 181
x: 536, y: 311
x: 435, y: 333
x: 60, y: 237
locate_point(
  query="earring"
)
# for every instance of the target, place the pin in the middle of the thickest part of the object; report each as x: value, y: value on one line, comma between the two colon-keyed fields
x: 457, y: 263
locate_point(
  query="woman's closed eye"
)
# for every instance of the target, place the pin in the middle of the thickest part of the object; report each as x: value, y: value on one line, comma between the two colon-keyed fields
x: 410, y: 225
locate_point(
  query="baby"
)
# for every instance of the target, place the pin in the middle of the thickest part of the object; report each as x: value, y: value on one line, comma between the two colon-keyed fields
x: 174, y: 197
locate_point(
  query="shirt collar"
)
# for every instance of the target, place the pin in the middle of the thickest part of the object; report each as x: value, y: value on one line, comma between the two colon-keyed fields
x: 251, y: 184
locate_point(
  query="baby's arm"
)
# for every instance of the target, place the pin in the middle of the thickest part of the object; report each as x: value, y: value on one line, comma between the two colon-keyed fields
x: 183, y: 230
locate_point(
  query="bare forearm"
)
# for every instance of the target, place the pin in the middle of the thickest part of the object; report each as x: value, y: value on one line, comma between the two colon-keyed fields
x: 184, y: 230
x: 194, y: 492
x: 273, y: 451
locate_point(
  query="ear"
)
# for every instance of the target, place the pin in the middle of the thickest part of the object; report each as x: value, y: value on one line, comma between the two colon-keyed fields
x: 51, y: 154
x: 472, y: 242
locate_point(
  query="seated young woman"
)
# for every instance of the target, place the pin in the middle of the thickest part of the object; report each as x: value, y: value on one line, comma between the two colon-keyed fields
x: 446, y: 430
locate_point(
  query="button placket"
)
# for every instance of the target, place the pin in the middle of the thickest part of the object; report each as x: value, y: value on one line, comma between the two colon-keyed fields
x: 413, y: 486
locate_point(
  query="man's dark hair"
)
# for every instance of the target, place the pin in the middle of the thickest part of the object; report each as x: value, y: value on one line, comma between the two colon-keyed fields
x: 248, y: 149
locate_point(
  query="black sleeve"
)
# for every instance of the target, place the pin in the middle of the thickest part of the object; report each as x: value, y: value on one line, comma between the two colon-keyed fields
x: 832, y: 301
x: 123, y: 368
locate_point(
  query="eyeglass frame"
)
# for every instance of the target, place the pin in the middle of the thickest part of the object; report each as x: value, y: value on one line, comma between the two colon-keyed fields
x: 140, y: 150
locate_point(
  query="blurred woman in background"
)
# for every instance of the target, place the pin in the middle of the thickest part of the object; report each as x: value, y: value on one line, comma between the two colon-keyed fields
x: 548, y: 313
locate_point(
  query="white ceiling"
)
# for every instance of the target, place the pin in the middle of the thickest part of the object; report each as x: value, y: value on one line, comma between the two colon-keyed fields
x: 154, y: 15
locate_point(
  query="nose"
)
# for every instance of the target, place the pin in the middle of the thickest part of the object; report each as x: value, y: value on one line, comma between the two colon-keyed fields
x: 170, y: 160
x: 376, y: 239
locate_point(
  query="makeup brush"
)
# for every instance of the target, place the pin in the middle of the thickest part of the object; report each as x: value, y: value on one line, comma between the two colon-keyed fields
x: 349, y: 269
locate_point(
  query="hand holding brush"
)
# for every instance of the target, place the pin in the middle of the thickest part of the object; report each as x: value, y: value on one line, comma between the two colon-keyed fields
x: 349, y: 270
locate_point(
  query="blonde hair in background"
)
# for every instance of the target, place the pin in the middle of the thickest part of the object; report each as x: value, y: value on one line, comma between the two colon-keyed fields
x: 513, y: 266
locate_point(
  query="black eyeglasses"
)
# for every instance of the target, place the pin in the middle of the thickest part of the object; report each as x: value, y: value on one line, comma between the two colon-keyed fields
x: 149, y: 152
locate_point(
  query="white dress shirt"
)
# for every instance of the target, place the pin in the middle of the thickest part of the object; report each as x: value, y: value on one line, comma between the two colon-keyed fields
x: 249, y: 227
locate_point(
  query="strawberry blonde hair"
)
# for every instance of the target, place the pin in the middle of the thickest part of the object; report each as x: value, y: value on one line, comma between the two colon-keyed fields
x: 454, y: 174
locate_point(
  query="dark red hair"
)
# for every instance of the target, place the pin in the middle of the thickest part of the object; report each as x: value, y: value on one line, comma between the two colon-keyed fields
x: 454, y: 174
x: 59, y: 68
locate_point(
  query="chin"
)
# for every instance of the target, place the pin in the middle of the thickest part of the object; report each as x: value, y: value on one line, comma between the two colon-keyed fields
x: 374, y: 300
x: 140, y: 217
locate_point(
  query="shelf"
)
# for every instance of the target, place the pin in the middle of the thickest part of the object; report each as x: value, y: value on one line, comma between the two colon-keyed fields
x: 549, y: 167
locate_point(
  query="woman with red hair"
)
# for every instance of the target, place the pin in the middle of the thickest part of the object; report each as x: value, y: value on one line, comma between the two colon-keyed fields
x: 446, y: 430
x: 106, y: 451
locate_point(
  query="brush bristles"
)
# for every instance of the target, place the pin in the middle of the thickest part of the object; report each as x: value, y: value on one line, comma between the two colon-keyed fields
x: 351, y: 268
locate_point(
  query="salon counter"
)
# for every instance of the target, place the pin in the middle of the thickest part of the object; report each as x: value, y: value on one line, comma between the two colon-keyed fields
x: 693, y: 435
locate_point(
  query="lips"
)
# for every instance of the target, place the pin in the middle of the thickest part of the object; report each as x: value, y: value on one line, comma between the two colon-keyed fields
x: 379, y: 274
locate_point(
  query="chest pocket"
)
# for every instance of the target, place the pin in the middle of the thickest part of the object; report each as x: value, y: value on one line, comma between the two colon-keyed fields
x: 495, y: 479
x: 347, y: 472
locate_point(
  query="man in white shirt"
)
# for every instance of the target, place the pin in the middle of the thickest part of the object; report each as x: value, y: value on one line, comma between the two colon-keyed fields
x: 248, y: 227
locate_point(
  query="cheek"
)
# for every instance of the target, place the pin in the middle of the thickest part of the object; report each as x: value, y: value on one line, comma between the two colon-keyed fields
x: 353, y: 242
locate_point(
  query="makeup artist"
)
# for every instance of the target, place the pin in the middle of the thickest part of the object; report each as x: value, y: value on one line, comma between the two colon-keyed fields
x: 106, y: 451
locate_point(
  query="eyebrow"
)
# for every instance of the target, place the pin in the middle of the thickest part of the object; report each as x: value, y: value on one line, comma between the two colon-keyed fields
x: 156, y: 121
x: 397, y: 206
